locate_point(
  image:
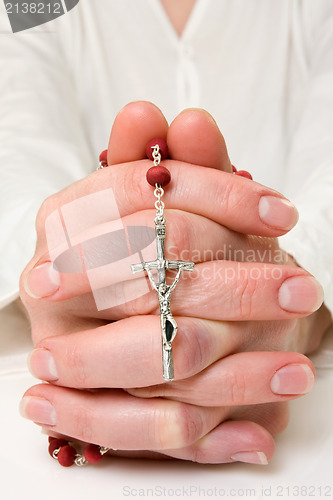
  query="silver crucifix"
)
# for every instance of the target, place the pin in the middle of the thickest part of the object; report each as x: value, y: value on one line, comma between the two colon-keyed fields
x: 168, y: 324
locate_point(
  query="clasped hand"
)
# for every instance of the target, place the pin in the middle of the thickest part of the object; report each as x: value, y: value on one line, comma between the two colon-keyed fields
x: 243, y: 324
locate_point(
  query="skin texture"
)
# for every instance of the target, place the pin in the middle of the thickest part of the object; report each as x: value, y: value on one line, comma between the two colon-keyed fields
x: 104, y: 366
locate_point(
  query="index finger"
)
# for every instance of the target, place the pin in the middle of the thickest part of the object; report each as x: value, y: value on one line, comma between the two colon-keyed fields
x: 235, y: 202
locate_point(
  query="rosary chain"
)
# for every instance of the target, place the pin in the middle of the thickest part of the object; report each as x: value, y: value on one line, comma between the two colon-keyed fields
x: 159, y: 191
x: 156, y: 155
x: 159, y: 204
x: 80, y: 460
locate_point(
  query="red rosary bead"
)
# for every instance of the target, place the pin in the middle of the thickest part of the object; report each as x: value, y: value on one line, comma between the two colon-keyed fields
x: 92, y: 454
x: 66, y: 455
x: 162, y: 145
x: 104, y: 156
x: 234, y: 169
x: 244, y: 173
x: 56, y: 443
x: 158, y: 175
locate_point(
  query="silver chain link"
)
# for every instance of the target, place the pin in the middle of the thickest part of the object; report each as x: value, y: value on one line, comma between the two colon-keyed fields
x: 156, y: 155
x: 102, y: 164
x: 159, y: 204
x: 104, y: 449
x: 80, y: 460
x: 159, y: 191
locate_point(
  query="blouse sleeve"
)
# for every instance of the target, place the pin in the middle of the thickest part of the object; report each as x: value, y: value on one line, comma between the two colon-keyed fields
x: 43, y: 143
x: 310, y: 165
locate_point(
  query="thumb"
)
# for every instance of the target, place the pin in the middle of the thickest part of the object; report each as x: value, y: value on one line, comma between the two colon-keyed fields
x: 194, y: 137
x: 135, y: 125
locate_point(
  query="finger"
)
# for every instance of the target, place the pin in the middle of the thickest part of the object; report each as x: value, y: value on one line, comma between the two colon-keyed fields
x: 135, y: 125
x: 118, y: 354
x: 218, y: 290
x: 194, y: 137
x: 241, y: 379
x: 239, y: 291
x: 230, y: 442
x: 248, y: 439
x: 190, y: 237
x: 123, y: 189
x: 115, y: 419
x: 230, y: 291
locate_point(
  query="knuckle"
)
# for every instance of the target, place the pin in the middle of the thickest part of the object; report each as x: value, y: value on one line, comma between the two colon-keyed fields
x: 82, y: 422
x: 201, y: 452
x: 48, y: 206
x: 245, y: 291
x: 179, y: 239
x: 73, y: 358
x: 133, y: 190
x: 146, y: 301
x: 226, y: 193
x: 189, y: 424
x: 179, y: 425
x: 195, y: 350
x: 234, y: 383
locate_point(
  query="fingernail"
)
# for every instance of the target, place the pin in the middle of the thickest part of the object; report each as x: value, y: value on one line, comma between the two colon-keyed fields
x: 301, y: 294
x: 293, y: 379
x: 250, y: 457
x: 277, y: 212
x: 42, y: 365
x: 42, y: 281
x: 38, y: 410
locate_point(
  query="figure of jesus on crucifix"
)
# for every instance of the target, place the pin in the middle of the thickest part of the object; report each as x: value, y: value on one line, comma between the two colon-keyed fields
x: 168, y: 323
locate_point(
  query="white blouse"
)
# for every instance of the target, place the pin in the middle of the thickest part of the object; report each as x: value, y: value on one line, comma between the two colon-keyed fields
x: 263, y: 69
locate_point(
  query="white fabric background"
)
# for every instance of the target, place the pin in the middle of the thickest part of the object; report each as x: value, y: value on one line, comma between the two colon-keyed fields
x: 263, y: 69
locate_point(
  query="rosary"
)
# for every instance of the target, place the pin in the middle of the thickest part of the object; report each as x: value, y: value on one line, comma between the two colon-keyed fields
x: 157, y: 176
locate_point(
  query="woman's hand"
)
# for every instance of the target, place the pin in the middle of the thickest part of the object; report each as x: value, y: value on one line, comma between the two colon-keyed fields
x: 225, y: 310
